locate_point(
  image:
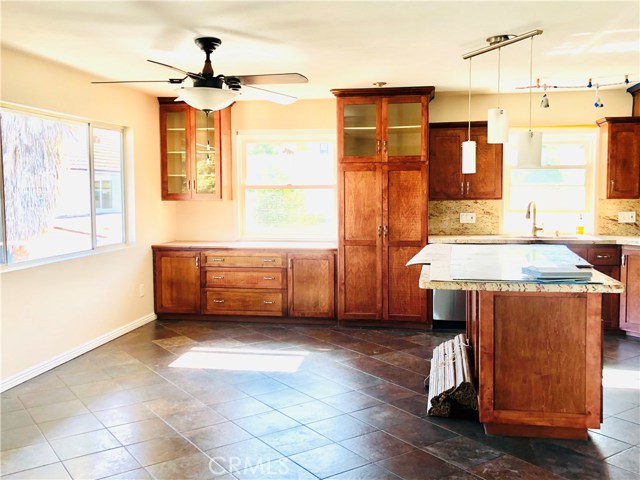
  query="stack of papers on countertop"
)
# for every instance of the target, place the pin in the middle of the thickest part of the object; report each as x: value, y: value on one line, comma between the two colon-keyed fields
x: 557, y: 273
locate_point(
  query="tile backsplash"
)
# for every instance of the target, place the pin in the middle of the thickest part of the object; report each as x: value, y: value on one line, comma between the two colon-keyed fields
x: 444, y: 217
x: 607, y: 222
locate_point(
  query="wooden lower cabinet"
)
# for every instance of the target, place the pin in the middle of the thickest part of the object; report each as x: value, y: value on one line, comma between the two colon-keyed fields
x: 605, y: 259
x: 311, y: 284
x: 539, y: 362
x: 244, y: 282
x: 382, y: 224
x: 176, y: 281
x: 630, y: 299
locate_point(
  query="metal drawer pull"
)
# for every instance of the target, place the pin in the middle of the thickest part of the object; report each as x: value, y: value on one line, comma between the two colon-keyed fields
x: 269, y: 302
x: 217, y: 259
x: 215, y: 300
x: 603, y: 256
x: 218, y: 277
x: 269, y: 260
x: 268, y: 278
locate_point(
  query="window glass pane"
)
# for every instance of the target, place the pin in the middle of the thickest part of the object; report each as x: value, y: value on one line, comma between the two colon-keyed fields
x: 291, y: 213
x: 46, y: 186
x: 290, y: 163
x: 107, y: 158
x: 563, y: 154
x: 547, y: 177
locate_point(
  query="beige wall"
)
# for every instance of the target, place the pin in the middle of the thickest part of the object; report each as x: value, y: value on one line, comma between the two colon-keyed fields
x: 52, y: 309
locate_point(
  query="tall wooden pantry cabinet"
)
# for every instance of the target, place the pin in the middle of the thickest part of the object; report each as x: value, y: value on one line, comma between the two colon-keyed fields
x: 382, y: 189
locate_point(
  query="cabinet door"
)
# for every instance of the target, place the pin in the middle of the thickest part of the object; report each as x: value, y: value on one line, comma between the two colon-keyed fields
x: 486, y: 183
x: 610, y: 301
x: 205, y: 176
x: 630, y: 299
x: 360, y: 240
x: 175, y: 152
x: 177, y: 281
x: 405, y: 233
x: 445, y: 163
x: 311, y: 285
x: 623, y: 165
x: 404, y: 126
x: 359, y: 130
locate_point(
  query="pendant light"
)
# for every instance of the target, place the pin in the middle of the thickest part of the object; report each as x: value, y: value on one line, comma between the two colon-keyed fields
x: 530, y: 142
x: 497, y: 118
x: 498, y: 121
x: 469, y: 147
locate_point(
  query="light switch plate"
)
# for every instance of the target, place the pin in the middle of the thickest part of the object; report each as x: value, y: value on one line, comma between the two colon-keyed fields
x: 467, y: 218
x: 626, y: 217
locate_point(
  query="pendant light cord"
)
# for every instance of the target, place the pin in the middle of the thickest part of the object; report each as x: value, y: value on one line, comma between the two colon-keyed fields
x: 469, y: 107
x: 499, y: 49
x: 530, y: 81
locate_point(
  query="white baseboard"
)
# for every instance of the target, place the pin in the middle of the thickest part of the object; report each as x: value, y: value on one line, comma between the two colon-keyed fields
x: 42, y: 367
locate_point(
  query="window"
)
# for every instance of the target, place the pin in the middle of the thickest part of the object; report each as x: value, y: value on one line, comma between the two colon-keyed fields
x: 562, y: 186
x: 62, y: 182
x: 287, y: 186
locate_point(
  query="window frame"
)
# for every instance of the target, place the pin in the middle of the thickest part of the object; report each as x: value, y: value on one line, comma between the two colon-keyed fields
x: 244, y: 137
x: 591, y: 148
x: 90, y: 125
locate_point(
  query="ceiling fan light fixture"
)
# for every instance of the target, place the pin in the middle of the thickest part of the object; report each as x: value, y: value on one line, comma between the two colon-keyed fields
x: 207, y: 98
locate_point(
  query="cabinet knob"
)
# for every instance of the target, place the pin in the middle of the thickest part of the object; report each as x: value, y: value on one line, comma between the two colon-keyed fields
x: 467, y: 188
x: 268, y: 278
x: 378, y: 146
x: 269, y: 302
x: 603, y: 256
x: 268, y: 260
x: 217, y: 300
x: 218, y: 277
x: 197, y: 262
x: 379, y: 230
x: 384, y: 147
x: 385, y: 230
x: 217, y: 259
x: 461, y: 188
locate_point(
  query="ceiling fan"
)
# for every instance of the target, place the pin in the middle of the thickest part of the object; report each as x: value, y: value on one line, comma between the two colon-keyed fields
x: 214, y: 92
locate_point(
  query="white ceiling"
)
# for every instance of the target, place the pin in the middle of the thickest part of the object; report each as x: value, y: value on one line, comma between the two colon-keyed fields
x: 336, y: 44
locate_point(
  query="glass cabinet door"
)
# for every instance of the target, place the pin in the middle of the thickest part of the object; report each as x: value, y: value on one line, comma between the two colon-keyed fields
x: 361, y: 138
x: 405, y: 135
x: 206, y: 162
x: 176, y: 152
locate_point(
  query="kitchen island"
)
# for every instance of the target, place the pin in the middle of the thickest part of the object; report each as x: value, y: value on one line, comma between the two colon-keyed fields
x: 536, y: 344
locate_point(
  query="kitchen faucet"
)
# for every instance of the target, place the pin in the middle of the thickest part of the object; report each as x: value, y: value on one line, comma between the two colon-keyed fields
x: 534, y: 228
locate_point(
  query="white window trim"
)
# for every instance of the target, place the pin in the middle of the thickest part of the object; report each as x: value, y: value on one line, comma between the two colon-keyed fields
x: 246, y: 136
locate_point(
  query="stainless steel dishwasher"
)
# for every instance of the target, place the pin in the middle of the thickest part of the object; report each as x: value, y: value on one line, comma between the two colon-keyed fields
x: 449, y: 309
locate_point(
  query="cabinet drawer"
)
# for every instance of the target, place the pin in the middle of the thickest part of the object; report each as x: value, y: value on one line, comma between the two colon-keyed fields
x: 223, y: 258
x: 244, y: 302
x: 237, y: 278
x: 604, y: 256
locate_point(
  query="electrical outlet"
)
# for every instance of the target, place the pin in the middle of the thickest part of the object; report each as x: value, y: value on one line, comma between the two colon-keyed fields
x: 467, y: 218
x: 141, y: 290
x: 626, y: 217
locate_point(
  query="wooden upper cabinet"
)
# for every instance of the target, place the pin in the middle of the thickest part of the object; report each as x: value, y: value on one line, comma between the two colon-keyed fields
x: 446, y: 180
x: 177, y: 281
x: 192, y: 145
x: 383, y: 125
x: 619, y: 156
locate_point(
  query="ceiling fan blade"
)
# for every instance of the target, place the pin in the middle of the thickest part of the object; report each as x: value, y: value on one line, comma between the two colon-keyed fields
x: 275, y: 97
x: 188, y: 74
x: 171, y: 80
x: 272, y: 78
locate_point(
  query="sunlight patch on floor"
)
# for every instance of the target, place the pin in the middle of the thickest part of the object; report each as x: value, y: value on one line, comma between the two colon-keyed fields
x: 613, y: 378
x: 254, y: 360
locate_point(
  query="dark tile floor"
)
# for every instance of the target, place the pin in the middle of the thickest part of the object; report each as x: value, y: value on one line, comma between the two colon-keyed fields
x: 177, y: 400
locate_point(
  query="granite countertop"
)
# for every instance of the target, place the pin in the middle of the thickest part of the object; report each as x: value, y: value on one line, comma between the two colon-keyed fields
x: 196, y: 244
x: 527, y: 239
x: 499, y: 268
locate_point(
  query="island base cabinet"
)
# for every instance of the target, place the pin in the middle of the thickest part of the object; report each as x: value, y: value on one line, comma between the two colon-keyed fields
x: 539, y: 362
